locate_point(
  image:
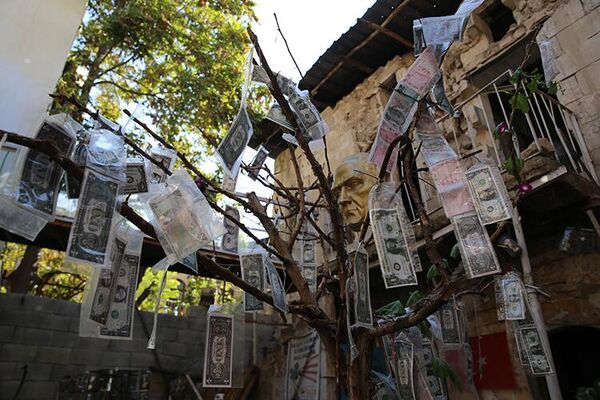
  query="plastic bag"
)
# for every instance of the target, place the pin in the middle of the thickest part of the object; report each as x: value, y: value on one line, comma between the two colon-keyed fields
x: 451, y: 183
x: 253, y: 273
x: 137, y: 177
x: 394, y: 236
x: 182, y: 217
x: 230, y: 150
x: 106, y: 154
x: 165, y: 156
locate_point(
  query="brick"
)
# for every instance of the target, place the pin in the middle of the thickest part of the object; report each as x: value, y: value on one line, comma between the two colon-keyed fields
x: 10, y: 370
x: 65, y: 339
x: 38, y: 390
x: 197, y: 312
x: 17, y: 352
x: 53, y: 355
x: 166, y: 334
x: 33, y: 336
x: 72, y: 324
x: 175, y: 364
x: 68, y: 309
x: 12, y: 300
x: 172, y: 348
x: 190, y: 336
x: 8, y: 388
x: 111, y: 359
x: 85, y: 357
x: 38, y: 304
x: 142, y: 360
x: 197, y: 325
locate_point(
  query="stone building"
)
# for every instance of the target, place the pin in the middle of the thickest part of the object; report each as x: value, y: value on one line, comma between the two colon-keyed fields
x: 559, y: 138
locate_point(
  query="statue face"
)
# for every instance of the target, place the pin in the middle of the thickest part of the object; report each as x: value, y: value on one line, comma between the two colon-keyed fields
x: 352, y: 182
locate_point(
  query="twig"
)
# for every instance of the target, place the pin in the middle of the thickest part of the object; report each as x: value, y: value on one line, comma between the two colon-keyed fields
x: 287, y: 46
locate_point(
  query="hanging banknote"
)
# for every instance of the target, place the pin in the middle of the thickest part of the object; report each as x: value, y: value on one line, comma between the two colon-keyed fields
x: 477, y: 253
x: 308, y: 116
x: 277, y: 289
x: 120, y: 319
x: 136, y: 178
x: 510, y: 302
x: 490, y: 196
x: 449, y: 323
x: 79, y: 157
x: 303, y: 368
x: 257, y: 162
x: 106, y: 287
x: 439, y: 97
x: 253, y: 273
x: 395, y: 259
x: 404, y: 370
x: 363, y: 315
x: 230, y: 238
x: 436, y: 384
x: 309, y: 262
x: 167, y: 158
x: 218, y: 354
x: 276, y: 115
x: 191, y: 262
x: 537, y: 356
x: 435, y: 148
x: 40, y: 178
x: 451, y: 183
x: 91, y: 231
x: 402, y: 106
x: 106, y: 154
x: 233, y: 145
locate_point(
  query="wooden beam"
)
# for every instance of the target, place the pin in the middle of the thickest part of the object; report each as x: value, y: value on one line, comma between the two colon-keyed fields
x: 387, y: 20
x: 386, y: 32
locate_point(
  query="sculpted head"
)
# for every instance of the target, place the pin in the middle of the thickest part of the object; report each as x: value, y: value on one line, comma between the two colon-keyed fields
x: 352, y: 182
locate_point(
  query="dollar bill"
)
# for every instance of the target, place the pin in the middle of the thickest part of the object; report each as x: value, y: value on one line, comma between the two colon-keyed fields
x: 40, y: 178
x: 218, y: 354
x: 230, y: 238
x: 276, y: 115
x: 534, y: 350
x: 476, y: 250
x: 307, y: 114
x: 178, y: 229
x: 89, y: 240
x: 395, y: 258
x: 309, y: 273
x: 120, y: 321
x: 233, y: 145
x: 435, y: 148
x: 107, y: 284
x: 363, y: 315
x: 449, y: 323
x: 254, y: 274
x: 277, y: 289
x: 512, y: 295
x: 136, y: 181
x: 257, y: 162
x: 436, y: 384
x: 404, y: 367
x: 303, y: 375
x: 491, y: 203
x: 164, y: 156
x: 191, y: 262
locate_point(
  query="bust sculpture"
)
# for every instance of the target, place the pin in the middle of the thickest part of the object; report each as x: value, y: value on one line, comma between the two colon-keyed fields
x: 352, y: 182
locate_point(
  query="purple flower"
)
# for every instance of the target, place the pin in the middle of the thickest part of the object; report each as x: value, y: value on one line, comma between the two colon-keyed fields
x: 502, y: 128
x: 525, y: 187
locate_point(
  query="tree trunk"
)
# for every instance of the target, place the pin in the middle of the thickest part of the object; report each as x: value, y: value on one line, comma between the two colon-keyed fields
x: 359, y: 369
x: 20, y: 279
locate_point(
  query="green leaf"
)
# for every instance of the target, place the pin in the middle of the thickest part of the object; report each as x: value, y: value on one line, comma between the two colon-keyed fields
x: 518, y: 165
x: 393, y: 309
x: 441, y: 369
x: 516, y: 78
x: 552, y: 87
x: 414, y: 298
x: 533, y: 85
x: 424, y: 328
x: 432, y: 273
x: 519, y: 102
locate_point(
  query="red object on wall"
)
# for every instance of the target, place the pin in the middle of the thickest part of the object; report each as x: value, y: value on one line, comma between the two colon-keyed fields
x: 497, y: 371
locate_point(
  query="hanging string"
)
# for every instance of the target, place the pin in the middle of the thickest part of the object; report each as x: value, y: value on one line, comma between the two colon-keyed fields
x: 152, y: 340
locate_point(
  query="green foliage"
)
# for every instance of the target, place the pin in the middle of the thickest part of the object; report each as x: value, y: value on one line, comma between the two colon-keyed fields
x: 519, y: 102
x: 391, y: 310
x: 514, y: 165
x: 414, y: 298
x: 181, y: 61
x: 441, y: 369
x: 455, y: 252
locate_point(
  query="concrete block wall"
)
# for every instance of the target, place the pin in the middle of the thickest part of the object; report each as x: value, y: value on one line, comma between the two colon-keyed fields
x: 43, y: 334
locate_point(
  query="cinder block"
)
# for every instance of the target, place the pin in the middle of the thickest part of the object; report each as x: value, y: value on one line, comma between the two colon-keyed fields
x: 111, y: 359
x: 135, y: 345
x: 172, y: 348
x: 6, y: 333
x: 38, y: 390
x: 175, y: 365
x: 197, y: 324
x: 85, y: 357
x: 33, y: 336
x: 10, y: 370
x: 94, y: 343
x: 72, y: 324
x: 68, y: 309
x: 38, y: 372
x: 166, y: 334
x: 142, y: 360
x: 190, y: 336
x: 9, y: 388
x: 65, y: 339
x: 17, y: 352
x: 53, y: 355
x: 39, y: 304
x: 197, y: 312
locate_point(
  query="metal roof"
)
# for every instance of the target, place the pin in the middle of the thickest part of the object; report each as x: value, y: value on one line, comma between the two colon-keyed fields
x: 382, y: 33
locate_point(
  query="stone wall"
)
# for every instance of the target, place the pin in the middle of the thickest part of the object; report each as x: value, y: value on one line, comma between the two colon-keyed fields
x: 43, y: 334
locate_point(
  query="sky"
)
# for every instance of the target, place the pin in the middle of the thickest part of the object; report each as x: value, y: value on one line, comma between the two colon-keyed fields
x: 310, y: 27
